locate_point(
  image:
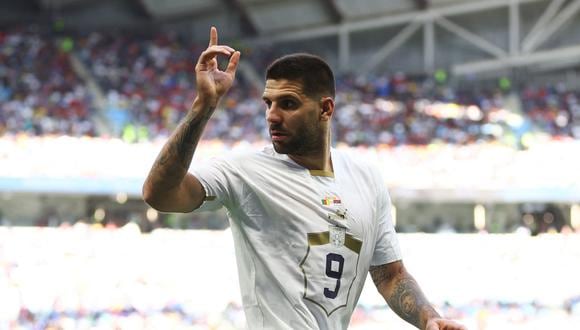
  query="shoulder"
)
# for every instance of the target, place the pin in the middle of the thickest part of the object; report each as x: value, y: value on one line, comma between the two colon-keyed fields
x: 362, y: 167
x: 359, y: 162
x: 245, y: 159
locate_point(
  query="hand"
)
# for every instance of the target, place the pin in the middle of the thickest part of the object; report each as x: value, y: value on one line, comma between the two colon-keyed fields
x: 212, y: 83
x: 443, y: 324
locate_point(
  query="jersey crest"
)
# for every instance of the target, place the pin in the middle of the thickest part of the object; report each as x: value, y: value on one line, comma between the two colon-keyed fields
x: 337, y: 236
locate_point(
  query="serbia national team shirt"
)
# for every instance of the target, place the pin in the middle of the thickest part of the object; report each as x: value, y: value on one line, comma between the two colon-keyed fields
x: 304, y: 239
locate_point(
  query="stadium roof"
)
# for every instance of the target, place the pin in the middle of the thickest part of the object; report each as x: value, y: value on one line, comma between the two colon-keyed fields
x: 481, y: 35
x: 257, y: 15
x: 249, y: 17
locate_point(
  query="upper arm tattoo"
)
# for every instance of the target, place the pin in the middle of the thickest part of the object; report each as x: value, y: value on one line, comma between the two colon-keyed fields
x: 380, y: 274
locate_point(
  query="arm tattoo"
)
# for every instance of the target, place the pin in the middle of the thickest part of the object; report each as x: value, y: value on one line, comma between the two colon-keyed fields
x: 380, y: 275
x: 403, y: 295
x: 187, y: 137
x: 175, y: 157
x: 407, y: 301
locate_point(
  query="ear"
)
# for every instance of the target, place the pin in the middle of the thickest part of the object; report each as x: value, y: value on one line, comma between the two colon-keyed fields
x: 327, y: 108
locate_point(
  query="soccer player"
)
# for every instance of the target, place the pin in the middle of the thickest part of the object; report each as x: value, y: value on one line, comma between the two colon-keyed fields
x: 308, y: 221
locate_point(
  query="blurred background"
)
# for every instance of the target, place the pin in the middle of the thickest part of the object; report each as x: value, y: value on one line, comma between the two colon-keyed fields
x: 471, y: 108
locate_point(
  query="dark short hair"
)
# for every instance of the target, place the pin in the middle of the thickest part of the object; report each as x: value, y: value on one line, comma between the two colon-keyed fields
x: 312, y: 71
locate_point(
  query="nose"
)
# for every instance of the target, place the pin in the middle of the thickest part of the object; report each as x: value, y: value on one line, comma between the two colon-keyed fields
x: 273, y: 115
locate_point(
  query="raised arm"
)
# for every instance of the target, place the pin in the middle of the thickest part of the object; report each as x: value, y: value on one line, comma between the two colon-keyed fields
x: 169, y: 187
x: 405, y: 298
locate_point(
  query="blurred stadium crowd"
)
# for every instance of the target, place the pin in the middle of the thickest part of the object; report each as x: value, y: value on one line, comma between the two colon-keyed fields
x: 142, y: 86
x: 97, y: 278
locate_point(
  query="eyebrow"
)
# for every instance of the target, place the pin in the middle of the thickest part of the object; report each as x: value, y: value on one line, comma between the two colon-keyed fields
x: 281, y: 96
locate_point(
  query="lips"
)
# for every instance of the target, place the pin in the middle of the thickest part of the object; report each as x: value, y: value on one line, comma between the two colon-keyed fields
x: 278, y: 135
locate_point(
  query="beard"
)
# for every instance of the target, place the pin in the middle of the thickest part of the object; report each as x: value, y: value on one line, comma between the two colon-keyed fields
x: 307, y: 140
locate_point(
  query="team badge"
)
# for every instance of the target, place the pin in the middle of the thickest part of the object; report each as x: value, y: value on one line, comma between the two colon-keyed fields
x: 337, y: 235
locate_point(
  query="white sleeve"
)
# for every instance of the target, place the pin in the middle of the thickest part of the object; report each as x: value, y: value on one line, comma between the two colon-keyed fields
x: 216, y: 177
x: 387, y: 247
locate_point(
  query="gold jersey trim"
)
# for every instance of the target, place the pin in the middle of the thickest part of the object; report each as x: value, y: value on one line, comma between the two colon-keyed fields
x: 321, y: 173
x: 322, y: 238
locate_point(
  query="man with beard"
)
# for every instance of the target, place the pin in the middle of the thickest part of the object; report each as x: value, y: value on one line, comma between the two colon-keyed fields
x: 309, y: 222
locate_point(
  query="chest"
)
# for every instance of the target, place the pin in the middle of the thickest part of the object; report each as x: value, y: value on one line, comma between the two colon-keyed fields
x: 296, y: 203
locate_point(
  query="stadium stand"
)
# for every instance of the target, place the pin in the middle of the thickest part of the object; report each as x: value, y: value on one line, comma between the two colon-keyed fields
x: 40, y: 93
x: 147, y: 83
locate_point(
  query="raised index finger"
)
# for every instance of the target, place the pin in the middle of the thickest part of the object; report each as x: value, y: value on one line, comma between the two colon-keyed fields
x: 213, y: 36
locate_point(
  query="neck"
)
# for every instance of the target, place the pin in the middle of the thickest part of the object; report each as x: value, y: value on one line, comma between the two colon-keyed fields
x: 317, y: 160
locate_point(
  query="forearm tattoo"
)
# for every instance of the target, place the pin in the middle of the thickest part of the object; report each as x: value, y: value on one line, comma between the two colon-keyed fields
x: 407, y: 301
x: 404, y: 295
x: 176, y: 156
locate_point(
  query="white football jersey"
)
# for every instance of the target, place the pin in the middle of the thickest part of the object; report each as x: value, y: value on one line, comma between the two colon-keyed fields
x: 304, y: 239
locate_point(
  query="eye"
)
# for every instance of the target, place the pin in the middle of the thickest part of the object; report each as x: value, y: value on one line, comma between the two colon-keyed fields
x: 288, y: 104
x: 268, y: 103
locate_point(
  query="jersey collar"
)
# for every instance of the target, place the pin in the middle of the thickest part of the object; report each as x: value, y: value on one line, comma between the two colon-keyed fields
x: 321, y: 173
